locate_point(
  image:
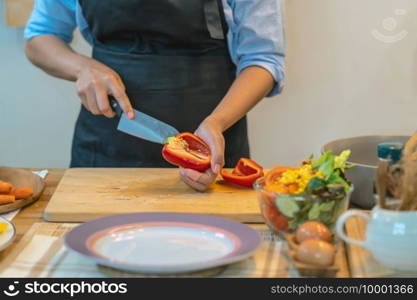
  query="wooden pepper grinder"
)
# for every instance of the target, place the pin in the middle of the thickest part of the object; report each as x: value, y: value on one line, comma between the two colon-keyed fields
x: 396, y: 175
x: 389, y: 172
x: 409, y: 182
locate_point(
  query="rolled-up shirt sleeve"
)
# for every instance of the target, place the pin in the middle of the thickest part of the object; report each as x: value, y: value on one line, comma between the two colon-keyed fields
x: 256, y: 36
x: 53, y: 17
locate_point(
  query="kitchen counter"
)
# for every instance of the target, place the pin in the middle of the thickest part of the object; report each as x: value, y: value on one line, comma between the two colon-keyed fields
x: 357, y: 262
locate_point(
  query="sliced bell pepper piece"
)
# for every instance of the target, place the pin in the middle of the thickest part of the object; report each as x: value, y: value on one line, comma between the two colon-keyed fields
x: 188, y: 151
x: 245, y: 173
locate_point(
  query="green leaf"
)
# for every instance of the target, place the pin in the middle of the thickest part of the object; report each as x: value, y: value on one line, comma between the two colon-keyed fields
x: 305, y: 208
x: 324, y: 157
x: 327, y: 168
x: 315, y: 185
x: 326, y: 218
x: 287, y: 205
x: 294, y: 223
x: 325, y: 164
x: 327, y: 206
x: 341, y: 159
x: 336, y: 178
x: 314, y: 212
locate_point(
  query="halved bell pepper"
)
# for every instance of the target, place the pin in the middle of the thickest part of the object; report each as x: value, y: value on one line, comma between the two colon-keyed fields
x: 245, y: 173
x: 188, y: 151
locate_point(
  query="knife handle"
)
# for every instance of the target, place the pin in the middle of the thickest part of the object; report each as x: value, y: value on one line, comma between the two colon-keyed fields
x: 115, y: 106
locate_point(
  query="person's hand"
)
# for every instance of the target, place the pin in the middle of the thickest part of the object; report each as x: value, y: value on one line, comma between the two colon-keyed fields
x: 211, y: 132
x: 95, y: 82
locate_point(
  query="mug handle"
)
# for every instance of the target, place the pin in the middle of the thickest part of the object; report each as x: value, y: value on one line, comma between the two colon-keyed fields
x: 340, y: 226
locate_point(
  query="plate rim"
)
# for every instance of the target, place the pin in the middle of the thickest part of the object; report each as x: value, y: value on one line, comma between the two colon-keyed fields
x: 11, y: 239
x: 76, y: 242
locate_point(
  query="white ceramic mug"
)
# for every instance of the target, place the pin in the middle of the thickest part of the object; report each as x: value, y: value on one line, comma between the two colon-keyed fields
x: 391, y: 236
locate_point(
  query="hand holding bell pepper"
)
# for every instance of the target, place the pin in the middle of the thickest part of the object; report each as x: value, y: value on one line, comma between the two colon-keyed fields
x: 245, y: 173
x: 188, y: 151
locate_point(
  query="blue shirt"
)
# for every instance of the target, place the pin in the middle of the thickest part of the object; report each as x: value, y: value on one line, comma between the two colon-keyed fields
x: 255, y: 37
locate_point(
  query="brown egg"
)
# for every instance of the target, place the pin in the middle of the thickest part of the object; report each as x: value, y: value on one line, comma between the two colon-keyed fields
x: 313, y: 230
x: 316, y: 252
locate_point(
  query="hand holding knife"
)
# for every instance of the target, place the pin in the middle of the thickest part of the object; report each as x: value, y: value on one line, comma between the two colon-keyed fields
x: 195, y: 163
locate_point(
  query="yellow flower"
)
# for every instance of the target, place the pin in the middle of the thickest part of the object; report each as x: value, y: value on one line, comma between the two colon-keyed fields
x: 301, y: 176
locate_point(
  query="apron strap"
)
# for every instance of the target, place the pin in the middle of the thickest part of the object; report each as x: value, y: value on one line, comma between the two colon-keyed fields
x: 215, y: 19
x: 222, y: 18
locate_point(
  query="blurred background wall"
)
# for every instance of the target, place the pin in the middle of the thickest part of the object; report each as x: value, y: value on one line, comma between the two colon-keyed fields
x: 351, y: 70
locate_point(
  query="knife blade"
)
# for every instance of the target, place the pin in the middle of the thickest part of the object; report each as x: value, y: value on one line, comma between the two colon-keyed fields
x: 143, y: 126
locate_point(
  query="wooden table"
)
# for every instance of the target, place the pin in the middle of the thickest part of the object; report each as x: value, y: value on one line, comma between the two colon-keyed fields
x: 359, y: 261
x: 33, y: 213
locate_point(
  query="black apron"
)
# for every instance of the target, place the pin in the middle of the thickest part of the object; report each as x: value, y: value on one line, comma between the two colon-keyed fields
x: 174, y: 62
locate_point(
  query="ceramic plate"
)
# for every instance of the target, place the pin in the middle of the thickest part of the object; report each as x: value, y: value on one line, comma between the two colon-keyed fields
x: 7, y: 236
x: 163, y: 243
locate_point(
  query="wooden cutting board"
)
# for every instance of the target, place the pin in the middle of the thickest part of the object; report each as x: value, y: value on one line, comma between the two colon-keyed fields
x: 85, y: 194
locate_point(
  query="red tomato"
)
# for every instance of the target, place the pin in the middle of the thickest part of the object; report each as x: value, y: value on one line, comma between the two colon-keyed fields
x: 268, y: 198
x: 275, y: 218
x: 275, y: 174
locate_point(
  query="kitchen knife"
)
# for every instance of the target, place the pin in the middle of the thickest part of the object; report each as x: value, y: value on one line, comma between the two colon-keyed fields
x: 143, y: 126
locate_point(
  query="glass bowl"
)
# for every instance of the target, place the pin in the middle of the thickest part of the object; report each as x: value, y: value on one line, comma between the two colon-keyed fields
x: 283, y: 213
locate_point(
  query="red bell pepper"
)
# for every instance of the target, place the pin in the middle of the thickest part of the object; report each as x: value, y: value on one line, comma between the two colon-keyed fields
x: 188, y: 151
x: 245, y: 173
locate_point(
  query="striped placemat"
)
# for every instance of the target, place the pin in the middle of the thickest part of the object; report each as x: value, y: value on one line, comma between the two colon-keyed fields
x: 41, y: 253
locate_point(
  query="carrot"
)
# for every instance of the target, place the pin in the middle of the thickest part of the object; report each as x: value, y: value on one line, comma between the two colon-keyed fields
x: 6, y: 199
x: 5, y: 187
x: 23, y: 192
